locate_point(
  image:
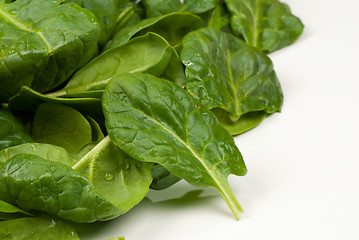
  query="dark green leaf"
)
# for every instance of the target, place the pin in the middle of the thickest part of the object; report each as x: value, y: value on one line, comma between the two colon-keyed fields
x: 12, y: 131
x: 31, y: 182
x: 224, y: 72
x: 44, y: 44
x: 267, y: 25
x: 162, y: 178
x: 62, y: 126
x: 107, y: 13
x: 173, y: 27
x: 155, y: 8
x: 154, y: 120
x: 39, y: 228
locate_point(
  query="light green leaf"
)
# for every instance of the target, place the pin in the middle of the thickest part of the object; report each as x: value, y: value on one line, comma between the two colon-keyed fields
x: 61, y: 126
x: 149, y: 53
x: 37, y: 228
x: 8, y: 211
x: 119, y: 178
x: 43, y: 150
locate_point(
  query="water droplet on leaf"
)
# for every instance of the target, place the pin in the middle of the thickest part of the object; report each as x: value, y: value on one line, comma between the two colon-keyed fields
x: 108, y: 176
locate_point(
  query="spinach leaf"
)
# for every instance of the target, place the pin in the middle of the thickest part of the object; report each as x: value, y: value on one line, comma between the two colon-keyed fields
x: 28, y: 100
x: 97, y: 134
x: 224, y: 72
x: 219, y: 18
x: 173, y: 27
x: 154, y: 120
x: 46, y: 151
x: 119, y: 178
x: 246, y: 122
x: 33, y: 183
x: 8, y: 211
x: 107, y: 13
x: 155, y: 8
x: 37, y: 228
x: 267, y: 25
x: 162, y: 178
x: 61, y: 126
x: 174, y: 71
x: 12, y: 131
x: 43, y: 42
x: 150, y: 53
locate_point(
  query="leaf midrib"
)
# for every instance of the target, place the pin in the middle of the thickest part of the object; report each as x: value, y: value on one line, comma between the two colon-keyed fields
x: 201, y: 160
x: 23, y: 27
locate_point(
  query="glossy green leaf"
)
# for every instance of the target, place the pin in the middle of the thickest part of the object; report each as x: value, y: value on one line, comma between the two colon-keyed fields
x: 149, y: 53
x: 155, y: 8
x: 267, y: 25
x: 224, y: 72
x: 61, y: 126
x: 107, y: 13
x: 43, y: 42
x: 46, y: 151
x: 154, y: 120
x: 173, y: 27
x: 39, y: 228
x: 12, y: 131
x: 119, y: 178
x: 31, y: 182
x: 8, y: 211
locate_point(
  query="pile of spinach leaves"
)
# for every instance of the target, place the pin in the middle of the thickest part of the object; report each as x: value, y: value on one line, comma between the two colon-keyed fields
x: 103, y: 100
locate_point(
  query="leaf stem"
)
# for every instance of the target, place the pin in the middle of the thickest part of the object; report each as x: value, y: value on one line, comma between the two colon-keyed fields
x: 230, y: 199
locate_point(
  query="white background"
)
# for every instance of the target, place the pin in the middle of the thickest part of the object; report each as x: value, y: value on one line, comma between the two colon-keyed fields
x: 303, y: 163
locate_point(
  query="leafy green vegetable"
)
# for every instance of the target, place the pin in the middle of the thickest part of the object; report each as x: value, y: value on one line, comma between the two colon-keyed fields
x: 224, y: 72
x: 37, y: 228
x: 42, y: 46
x: 162, y: 178
x: 154, y: 120
x: 61, y: 126
x: 116, y: 176
x: 267, y: 25
x: 12, y: 131
x: 155, y: 8
x: 8, y: 211
x: 218, y: 18
x: 173, y: 27
x: 31, y: 182
x: 43, y: 150
x: 107, y: 13
x: 28, y: 100
x: 149, y: 53
x: 246, y: 122
x: 97, y: 134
